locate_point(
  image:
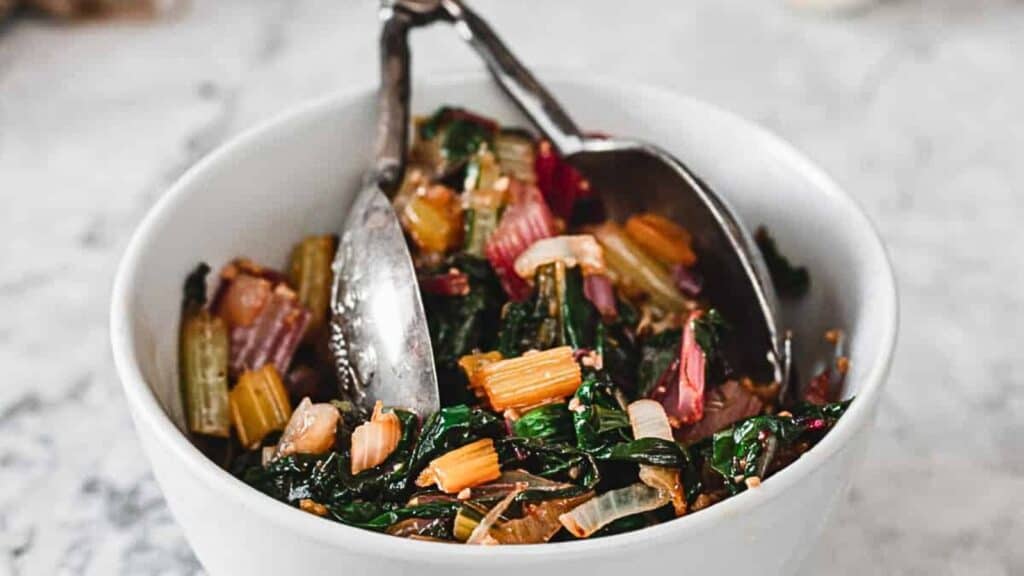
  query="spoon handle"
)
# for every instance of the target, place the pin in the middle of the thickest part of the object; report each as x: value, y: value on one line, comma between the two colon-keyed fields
x: 528, y: 93
x: 393, y: 99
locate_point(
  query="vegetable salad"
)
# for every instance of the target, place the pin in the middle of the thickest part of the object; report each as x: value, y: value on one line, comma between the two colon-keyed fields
x: 584, y: 386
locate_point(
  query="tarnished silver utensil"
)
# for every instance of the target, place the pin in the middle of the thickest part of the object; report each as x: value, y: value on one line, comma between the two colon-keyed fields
x: 633, y: 176
x: 379, y: 332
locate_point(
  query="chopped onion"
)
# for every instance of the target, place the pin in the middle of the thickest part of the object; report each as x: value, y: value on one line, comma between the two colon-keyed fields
x: 648, y: 420
x: 243, y: 299
x: 596, y: 513
x: 481, y: 534
x: 411, y: 527
x: 310, y: 430
x: 582, y: 250
x: 374, y: 441
x: 539, y: 523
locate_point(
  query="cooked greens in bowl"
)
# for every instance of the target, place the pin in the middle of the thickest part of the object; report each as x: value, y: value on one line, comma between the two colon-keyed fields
x: 584, y: 387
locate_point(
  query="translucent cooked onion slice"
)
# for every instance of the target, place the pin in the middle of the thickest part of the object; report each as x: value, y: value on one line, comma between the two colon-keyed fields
x: 580, y: 250
x: 481, y: 534
x: 311, y: 429
x: 539, y: 523
x: 374, y: 441
x: 648, y: 420
x: 597, y: 513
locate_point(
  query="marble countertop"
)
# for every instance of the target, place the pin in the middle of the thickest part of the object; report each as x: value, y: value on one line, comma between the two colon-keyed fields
x: 915, y: 107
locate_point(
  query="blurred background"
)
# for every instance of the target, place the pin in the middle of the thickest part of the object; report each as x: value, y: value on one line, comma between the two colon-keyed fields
x: 914, y: 106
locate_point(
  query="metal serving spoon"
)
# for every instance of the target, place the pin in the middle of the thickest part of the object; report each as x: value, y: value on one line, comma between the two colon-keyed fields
x: 379, y: 330
x: 379, y: 335
x: 631, y: 177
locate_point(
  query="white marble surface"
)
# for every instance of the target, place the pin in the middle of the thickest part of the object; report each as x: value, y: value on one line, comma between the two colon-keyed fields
x: 916, y: 107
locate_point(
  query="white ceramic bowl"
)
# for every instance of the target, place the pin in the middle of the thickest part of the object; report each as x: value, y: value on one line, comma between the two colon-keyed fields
x: 296, y: 175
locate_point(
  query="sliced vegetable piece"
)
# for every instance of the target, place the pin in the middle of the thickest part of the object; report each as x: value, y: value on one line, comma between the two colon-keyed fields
x: 526, y: 220
x: 581, y: 250
x: 633, y: 265
x: 531, y: 378
x: 450, y: 283
x: 483, y: 209
x: 725, y: 405
x: 311, y: 429
x: 483, y: 171
x: 687, y: 280
x: 481, y: 533
x: 471, y: 465
x: 666, y: 241
x: 472, y: 366
x: 594, y: 514
x: 419, y: 528
x: 203, y: 352
x: 516, y: 154
x: 273, y: 336
x: 259, y: 405
x: 600, y: 291
x: 310, y: 274
x: 684, y: 401
x: 243, y: 299
x: 467, y: 519
x: 375, y: 440
x: 539, y: 523
x: 561, y: 184
x: 433, y: 219
x: 648, y: 420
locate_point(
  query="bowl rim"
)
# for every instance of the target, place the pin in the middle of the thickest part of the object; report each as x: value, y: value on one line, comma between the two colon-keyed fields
x: 148, y: 411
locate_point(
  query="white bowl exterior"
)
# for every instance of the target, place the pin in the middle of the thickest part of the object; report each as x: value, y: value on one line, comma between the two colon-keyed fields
x: 259, y: 194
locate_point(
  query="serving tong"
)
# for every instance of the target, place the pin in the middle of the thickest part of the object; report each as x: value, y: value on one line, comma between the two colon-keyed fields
x: 379, y: 330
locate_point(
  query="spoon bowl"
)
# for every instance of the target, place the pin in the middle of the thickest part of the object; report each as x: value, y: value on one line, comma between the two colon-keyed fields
x: 631, y: 177
x: 379, y: 335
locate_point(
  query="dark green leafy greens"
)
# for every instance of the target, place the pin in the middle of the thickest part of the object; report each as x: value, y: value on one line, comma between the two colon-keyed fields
x: 460, y: 133
x: 747, y: 449
x: 790, y: 281
x: 586, y: 443
x: 461, y: 324
x: 558, y: 314
x: 551, y: 423
x: 598, y: 415
x: 657, y: 354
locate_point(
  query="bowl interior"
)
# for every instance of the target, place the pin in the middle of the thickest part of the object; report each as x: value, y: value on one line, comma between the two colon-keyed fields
x: 297, y: 175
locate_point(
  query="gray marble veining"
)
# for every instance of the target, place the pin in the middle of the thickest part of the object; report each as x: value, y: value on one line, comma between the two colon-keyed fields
x: 915, y: 107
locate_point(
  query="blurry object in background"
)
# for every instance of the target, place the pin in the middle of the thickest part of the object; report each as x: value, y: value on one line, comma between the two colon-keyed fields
x: 832, y: 6
x: 5, y: 7
x: 78, y: 9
